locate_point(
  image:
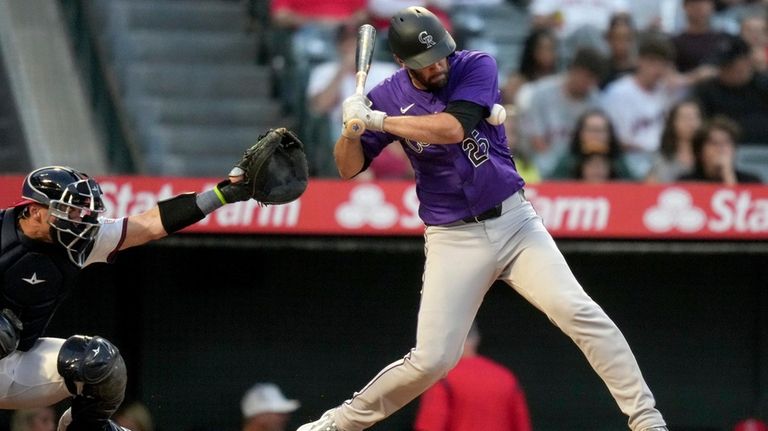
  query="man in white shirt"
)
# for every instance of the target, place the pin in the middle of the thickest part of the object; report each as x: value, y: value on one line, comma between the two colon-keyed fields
x: 332, y: 82
x: 556, y: 103
x: 637, y: 103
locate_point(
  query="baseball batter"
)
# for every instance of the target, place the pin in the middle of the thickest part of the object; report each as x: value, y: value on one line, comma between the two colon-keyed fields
x: 479, y: 226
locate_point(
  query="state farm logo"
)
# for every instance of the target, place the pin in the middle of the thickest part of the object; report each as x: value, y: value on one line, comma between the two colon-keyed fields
x: 729, y: 210
x: 571, y: 213
x: 121, y: 199
x: 674, y: 210
x: 368, y: 206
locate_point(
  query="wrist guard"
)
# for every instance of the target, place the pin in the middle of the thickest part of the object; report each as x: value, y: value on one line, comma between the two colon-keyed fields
x: 179, y: 212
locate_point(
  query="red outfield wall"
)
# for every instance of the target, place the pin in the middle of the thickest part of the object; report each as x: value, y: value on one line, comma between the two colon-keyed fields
x: 570, y: 210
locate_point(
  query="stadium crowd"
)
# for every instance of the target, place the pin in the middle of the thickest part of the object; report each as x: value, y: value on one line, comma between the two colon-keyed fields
x: 595, y: 90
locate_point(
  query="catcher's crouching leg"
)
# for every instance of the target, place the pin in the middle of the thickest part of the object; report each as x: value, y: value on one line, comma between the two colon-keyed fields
x: 94, y: 373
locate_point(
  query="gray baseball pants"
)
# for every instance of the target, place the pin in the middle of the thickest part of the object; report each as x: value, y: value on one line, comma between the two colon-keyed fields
x: 462, y: 262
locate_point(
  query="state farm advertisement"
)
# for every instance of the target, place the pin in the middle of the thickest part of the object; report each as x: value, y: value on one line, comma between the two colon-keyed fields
x: 570, y: 210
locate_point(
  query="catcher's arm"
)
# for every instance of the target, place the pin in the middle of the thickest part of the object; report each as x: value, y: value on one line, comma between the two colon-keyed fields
x: 177, y: 213
x: 151, y: 224
x: 274, y: 170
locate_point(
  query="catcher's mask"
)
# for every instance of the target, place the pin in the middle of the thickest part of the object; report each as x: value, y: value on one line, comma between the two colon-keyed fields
x: 74, y: 204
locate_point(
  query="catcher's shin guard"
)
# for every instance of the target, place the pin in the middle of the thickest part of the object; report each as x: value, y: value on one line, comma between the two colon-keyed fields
x: 94, y: 373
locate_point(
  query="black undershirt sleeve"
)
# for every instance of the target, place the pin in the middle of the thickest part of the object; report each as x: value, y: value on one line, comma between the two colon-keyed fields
x: 468, y: 114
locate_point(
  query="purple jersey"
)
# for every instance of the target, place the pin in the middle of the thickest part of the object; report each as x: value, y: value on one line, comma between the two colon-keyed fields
x: 458, y: 180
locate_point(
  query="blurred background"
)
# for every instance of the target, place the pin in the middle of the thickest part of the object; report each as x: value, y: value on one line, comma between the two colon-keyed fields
x: 597, y: 91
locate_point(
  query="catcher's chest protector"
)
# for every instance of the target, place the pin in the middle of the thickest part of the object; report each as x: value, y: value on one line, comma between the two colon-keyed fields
x: 35, y: 278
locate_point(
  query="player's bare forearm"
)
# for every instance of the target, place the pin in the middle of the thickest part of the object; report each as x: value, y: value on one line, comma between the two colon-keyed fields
x: 143, y: 228
x: 440, y: 128
x: 349, y: 157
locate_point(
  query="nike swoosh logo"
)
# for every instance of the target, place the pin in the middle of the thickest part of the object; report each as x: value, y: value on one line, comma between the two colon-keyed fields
x: 33, y: 280
x: 404, y: 110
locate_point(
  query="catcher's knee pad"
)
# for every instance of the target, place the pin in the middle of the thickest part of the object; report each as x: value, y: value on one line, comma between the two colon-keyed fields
x: 94, y: 372
x: 10, y: 327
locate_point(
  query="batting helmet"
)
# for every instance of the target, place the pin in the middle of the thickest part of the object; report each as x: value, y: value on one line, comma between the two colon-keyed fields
x: 418, y: 38
x: 74, y: 201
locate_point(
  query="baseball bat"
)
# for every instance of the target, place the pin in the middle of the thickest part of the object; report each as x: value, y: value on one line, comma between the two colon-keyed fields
x: 366, y: 38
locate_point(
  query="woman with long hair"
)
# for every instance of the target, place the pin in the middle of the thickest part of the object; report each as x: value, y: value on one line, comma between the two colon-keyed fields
x: 593, y: 135
x: 675, y: 156
x: 714, y: 150
x: 538, y: 59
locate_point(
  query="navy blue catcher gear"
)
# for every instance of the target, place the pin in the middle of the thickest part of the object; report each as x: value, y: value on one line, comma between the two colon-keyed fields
x: 35, y: 277
x: 94, y: 373
x: 10, y: 327
x: 74, y: 200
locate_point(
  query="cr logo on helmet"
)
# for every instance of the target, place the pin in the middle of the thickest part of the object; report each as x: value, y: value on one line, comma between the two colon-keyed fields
x: 426, y: 39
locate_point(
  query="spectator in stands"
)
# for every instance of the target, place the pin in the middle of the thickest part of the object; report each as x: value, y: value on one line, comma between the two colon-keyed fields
x: 676, y: 157
x: 738, y: 91
x: 134, y: 416
x: 299, y: 14
x: 522, y: 160
x: 622, y: 48
x: 694, y: 45
x: 665, y: 16
x: 753, y: 32
x: 478, y: 394
x: 638, y: 103
x: 714, y: 149
x: 304, y: 36
x: 593, y: 145
x: 730, y: 13
x: 265, y: 408
x: 34, y: 419
x: 556, y: 103
x: 578, y: 23
x: 329, y: 84
x: 595, y: 168
x: 537, y: 60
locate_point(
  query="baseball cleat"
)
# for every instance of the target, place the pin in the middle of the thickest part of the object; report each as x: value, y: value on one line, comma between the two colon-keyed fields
x: 656, y: 429
x: 325, y: 423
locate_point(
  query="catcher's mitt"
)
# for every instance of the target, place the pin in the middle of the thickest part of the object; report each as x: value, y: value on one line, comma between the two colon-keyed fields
x: 275, y: 169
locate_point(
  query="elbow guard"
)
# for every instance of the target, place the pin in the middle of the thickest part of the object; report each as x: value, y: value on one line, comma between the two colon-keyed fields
x: 467, y: 113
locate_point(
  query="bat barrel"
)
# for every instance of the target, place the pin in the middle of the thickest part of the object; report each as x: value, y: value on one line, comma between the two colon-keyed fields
x: 366, y: 37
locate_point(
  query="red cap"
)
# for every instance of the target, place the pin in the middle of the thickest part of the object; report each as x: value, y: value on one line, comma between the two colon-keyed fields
x: 22, y: 202
x: 751, y: 425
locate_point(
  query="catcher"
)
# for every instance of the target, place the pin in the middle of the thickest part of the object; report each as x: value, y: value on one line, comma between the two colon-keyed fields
x: 56, y: 229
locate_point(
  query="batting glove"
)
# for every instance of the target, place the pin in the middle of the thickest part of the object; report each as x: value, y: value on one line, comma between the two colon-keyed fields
x: 358, y: 107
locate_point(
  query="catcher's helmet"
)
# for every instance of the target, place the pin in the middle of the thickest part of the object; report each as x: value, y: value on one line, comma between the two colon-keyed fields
x: 74, y: 201
x: 418, y: 37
